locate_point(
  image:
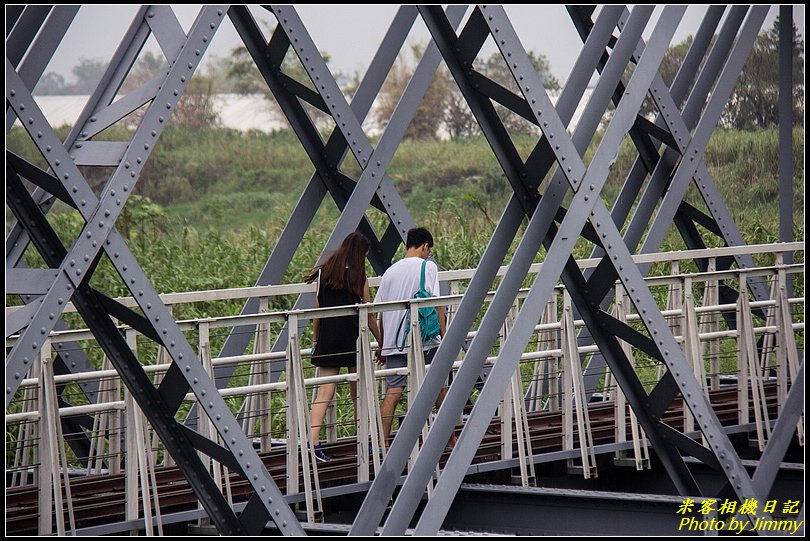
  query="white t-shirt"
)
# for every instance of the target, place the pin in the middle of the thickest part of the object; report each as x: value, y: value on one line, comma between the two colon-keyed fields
x: 400, y: 282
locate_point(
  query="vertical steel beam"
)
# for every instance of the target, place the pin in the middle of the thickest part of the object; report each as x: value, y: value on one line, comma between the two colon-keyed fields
x: 786, y: 132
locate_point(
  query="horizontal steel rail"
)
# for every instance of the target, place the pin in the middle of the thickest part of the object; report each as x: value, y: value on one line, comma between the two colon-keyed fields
x: 447, y: 276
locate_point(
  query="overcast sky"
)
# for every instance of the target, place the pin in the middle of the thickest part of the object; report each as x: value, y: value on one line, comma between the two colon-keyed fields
x: 352, y: 33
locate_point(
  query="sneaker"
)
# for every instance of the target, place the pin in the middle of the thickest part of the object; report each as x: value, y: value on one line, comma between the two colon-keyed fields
x: 320, y: 456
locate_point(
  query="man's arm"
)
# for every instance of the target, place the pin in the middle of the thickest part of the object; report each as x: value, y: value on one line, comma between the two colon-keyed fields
x: 442, y: 320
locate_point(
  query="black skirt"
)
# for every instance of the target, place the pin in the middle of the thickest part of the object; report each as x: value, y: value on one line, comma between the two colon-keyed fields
x: 337, y: 336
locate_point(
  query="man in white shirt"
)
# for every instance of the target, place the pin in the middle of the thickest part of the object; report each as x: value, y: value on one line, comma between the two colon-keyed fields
x: 400, y: 282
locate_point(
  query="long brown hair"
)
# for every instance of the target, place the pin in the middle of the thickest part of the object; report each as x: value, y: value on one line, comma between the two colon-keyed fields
x: 346, y: 267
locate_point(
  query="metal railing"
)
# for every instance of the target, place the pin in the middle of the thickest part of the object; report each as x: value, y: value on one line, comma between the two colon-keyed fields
x: 277, y: 412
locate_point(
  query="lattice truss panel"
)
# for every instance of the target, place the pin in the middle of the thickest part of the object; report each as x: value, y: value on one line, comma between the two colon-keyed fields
x: 670, y: 151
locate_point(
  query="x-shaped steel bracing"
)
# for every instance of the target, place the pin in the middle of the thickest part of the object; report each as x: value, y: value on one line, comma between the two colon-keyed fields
x: 374, y: 186
x: 684, y: 134
x: 586, y: 208
x: 74, y: 267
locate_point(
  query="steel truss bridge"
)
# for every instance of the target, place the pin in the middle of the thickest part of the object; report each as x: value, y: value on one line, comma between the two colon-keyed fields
x: 597, y: 400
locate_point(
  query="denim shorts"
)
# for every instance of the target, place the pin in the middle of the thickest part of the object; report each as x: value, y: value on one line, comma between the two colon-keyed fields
x: 401, y: 361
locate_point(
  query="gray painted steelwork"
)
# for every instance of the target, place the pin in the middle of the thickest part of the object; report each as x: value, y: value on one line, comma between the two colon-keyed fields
x: 786, y: 131
x: 365, y: 520
x: 683, y: 126
x: 506, y: 291
x: 76, y: 266
x: 374, y: 183
x: 673, y: 208
x: 553, y: 511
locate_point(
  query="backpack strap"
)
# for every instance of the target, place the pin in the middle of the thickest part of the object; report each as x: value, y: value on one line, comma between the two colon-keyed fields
x: 403, y: 326
x: 422, y: 279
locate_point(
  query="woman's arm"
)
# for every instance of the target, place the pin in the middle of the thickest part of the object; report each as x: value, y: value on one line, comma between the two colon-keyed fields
x: 375, y: 329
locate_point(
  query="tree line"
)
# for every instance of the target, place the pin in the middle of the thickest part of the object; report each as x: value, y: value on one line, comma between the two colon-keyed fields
x: 443, y: 111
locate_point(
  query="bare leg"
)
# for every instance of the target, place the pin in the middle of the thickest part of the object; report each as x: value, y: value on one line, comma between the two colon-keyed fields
x: 387, y: 409
x: 325, y: 394
x: 353, y: 389
x: 452, y: 441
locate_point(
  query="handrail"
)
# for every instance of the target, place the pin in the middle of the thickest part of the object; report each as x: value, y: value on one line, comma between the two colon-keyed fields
x: 446, y: 276
x: 318, y: 313
x: 353, y: 310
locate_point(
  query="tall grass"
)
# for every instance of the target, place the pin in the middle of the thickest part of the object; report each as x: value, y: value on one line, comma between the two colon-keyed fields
x: 231, y: 195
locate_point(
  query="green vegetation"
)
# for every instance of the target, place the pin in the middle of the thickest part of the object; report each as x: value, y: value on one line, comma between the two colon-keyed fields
x: 213, y: 202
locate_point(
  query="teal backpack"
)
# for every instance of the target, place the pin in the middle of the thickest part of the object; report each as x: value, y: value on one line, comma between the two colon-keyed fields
x: 428, y: 317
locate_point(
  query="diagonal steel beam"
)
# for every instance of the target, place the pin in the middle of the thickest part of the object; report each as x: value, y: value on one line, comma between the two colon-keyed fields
x: 373, y: 179
x: 535, y: 231
x: 36, y: 43
x: 71, y: 355
x: 269, y: 58
x: 670, y: 209
x: 13, y: 14
x: 101, y: 217
x: 336, y: 148
x: 96, y: 116
x: 25, y: 28
x: 534, y: 91
x: 30, y: 71
x: 645, y: 304
x: 95, y: 109
x: 171, y: 337
x: 319, y: 184
x: 678, y: 125
x: 160, y: 415
x: 374, y: 505
x: 693, y: 166
x: 674, y: 193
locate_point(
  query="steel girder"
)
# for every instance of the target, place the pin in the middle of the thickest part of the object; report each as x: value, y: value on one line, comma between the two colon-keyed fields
x: 786, y: 131
x: 671, y: 192
x: 683, y: 133
x: 352, y: 198
x: 38, y: 30
x: 73, y: 267
x: 659, y: 342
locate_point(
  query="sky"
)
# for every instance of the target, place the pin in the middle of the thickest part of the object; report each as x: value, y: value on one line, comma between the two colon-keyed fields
x: 350, y: 34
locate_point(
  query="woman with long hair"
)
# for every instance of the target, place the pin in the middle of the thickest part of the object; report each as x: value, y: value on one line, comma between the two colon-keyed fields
x: 341, y: 281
